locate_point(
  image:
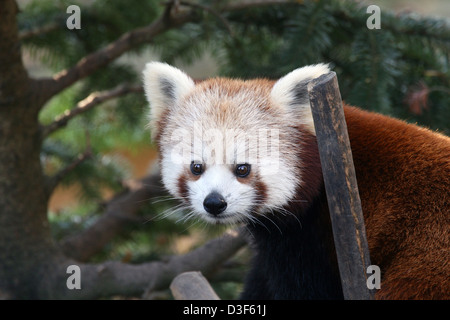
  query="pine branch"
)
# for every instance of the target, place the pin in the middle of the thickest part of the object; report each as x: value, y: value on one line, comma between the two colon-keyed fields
x: 102, y: 57
x: 249, y: 4
x: 402, y: 24
x: 212, y: 12
x: 91, y: 101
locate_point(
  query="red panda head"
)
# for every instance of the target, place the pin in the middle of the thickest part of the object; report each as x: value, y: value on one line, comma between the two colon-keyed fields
x: 229, y: 148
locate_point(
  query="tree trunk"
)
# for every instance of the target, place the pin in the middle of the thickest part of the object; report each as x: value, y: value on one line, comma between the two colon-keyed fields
x: 26, y: 246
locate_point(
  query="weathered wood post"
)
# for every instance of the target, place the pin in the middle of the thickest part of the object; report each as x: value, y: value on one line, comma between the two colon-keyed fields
x: 192, y: 286
x: 341, y: 187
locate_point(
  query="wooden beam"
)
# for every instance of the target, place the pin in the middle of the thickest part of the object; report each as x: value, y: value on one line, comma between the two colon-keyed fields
x: 341, y: 186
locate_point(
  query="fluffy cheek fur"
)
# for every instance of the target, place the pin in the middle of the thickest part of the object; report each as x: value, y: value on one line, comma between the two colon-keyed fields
x: 274, y: 178
x: 266, y: 189
x: 236, y: 113
x: 172, y: 167
x: 280, y: 179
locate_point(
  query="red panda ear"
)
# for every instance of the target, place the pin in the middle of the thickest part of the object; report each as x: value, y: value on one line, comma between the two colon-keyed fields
x: 291, y: 93
x: 164, y: 85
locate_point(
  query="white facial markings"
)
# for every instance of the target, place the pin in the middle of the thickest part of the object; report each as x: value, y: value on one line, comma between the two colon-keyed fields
x: 267, y: 149
x: 172, y: 168
x: 219, y: 178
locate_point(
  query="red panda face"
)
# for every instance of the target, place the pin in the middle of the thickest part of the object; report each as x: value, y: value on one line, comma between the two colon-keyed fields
x: 227, y: 147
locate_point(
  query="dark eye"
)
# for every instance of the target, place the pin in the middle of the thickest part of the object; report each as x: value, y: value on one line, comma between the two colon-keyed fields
x: 242, y: 170
x: 196, y: 168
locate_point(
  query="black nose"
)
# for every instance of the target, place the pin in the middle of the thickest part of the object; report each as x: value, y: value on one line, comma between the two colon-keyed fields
x: 214, y: 203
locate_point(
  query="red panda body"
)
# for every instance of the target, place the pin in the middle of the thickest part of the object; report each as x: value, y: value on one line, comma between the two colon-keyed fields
x: 402, y: 170
x: 403, y: 174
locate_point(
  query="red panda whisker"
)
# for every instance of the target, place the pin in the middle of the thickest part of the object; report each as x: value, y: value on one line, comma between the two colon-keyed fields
x: 170, y: 211
x: 273, y: 222
x: 252, y: 220
x: 163, y: 199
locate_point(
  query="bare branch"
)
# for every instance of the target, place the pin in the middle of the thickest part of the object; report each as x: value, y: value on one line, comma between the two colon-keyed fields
x: 122, y: 208
x: 88, y: 103
x: 57, y: 178
x: 116, y: 278
x: 102, y: 57
x: 52, y: 182
x: 206, y: 259
x: 26, y: 34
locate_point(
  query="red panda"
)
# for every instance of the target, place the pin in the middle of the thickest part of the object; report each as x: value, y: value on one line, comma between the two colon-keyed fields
x: 237, y: 151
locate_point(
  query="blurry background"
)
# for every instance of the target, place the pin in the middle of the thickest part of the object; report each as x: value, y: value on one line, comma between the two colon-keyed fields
x: 400, y: 70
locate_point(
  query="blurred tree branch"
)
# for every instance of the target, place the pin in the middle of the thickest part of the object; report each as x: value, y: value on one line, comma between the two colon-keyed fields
x: 104, y: 56
x: 116, y: 278
x: 100, y: 58
x: 88, y: 103
x: 52, y: 182
x: 26, y: 34
x: 120, y: 209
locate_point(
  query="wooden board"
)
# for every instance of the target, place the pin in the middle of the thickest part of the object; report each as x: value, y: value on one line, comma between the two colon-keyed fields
x: 341, y: 186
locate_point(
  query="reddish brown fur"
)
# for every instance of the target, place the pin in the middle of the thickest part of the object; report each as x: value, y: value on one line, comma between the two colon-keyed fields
x: 261, y: 190
x: 182, y: 187
x: 231, y: 87
x: 403, y: 174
